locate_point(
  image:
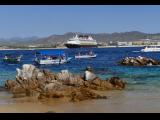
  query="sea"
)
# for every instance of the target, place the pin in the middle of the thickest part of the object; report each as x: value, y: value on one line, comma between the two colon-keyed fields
x: 142, y: 81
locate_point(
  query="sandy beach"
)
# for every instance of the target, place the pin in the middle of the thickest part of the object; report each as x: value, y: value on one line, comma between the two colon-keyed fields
x: 117, y: 102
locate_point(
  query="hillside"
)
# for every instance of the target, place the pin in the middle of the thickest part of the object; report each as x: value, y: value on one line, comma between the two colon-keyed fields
x: 101, y: 37
x: 58, y: 39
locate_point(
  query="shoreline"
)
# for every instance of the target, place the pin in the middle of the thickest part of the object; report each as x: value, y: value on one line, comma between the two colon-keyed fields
x: 31, y: 48
x: 65, y: 48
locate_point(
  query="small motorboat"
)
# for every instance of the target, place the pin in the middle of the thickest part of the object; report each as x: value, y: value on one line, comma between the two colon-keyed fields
x: 51, y: 57
x: 87, y: 55
x: 12, y: 58
x: 151, y: 49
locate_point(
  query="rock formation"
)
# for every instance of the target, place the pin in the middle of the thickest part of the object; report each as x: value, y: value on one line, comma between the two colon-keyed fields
x: 34, y: 82
x: 139, y: 61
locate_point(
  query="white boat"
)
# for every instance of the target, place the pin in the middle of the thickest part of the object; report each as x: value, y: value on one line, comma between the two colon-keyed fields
x: 52, y: 61
x: 151, y: 49
x: 86, y: 56
x: 89, y: 55
x: 81, y: 41
x: 51, y: 57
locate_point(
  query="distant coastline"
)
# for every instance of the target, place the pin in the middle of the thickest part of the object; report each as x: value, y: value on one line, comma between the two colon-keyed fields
x: 66, y: 47
x: 30, y: 48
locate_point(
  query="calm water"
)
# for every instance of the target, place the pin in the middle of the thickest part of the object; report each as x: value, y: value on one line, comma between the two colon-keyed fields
x: 141, y: 79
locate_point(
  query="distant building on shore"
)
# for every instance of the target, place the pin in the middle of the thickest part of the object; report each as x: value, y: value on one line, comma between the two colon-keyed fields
x: 32, y: 46
x: 141, y: 42
x: 124, y: 43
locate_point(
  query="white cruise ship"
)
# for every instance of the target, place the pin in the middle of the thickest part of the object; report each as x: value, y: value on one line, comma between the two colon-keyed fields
x: 81, y: 41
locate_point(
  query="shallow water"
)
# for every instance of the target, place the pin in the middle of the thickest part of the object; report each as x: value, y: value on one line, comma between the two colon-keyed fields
x: 142, y: 82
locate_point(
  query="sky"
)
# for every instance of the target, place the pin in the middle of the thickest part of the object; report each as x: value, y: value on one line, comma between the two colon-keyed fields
x: 45, y: 20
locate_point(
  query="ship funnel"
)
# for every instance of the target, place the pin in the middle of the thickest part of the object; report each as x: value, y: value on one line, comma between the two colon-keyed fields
x: 76, y: 36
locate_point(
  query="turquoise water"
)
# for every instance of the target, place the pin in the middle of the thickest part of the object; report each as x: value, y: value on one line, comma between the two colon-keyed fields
x: 142, y: 79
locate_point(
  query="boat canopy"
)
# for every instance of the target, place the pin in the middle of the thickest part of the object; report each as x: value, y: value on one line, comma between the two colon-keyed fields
x: 47, y: 52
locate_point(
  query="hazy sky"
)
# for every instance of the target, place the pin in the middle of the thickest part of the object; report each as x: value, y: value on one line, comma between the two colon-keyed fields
x: 44, y: 20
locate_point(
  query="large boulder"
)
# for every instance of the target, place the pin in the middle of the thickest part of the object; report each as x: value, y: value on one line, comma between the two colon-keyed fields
x: 34, y: 82
x: 68, y: 78
x: 117, y: 82
x: 108, y: 84
x: 84, y: 94
x: 26, y: 72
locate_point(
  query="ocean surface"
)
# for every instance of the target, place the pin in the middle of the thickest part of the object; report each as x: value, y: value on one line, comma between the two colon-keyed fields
x: 140, y: 80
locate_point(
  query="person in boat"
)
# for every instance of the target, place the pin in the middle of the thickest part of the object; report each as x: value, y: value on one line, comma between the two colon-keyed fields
x: 44, y: 57
x: 5, y: 57
x: 48, y: 58
x: 79, y: 54
x: 90, y: 53
x: 62, y: 57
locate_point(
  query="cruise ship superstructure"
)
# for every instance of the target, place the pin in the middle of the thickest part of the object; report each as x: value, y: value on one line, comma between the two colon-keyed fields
x: 81, y: 41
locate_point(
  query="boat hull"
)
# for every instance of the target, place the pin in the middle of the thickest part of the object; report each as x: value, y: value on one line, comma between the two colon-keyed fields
x: 47, y: 62
x: 79, y: 46
x: 86, y: 56
x: 151, y: 50
x: 13, y: 61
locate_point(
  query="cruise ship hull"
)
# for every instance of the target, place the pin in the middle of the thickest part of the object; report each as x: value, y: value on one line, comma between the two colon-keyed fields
x: 78, y: 46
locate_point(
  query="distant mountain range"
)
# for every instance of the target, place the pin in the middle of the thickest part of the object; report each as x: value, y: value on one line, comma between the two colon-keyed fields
x: 58, y: 39
x: 18, y: 40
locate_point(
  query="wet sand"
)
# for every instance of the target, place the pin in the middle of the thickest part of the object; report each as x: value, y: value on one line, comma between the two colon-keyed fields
x: 118, y: 101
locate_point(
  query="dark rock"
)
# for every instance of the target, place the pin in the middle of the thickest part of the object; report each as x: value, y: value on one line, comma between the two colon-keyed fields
x: 84, y: 94
x: 138, y: 61
x: 112, y: 83
x: 54, y: 94
x: 117, y: 82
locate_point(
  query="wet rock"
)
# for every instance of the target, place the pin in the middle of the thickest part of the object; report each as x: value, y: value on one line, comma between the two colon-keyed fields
x: 10, y: 84
x: 51, y: 94
x: 70, y: 79
x: 84, y: 94
x: 109, y: 84
x: 54, y: 85
x: 138, y: 61
x: 117, y: 82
